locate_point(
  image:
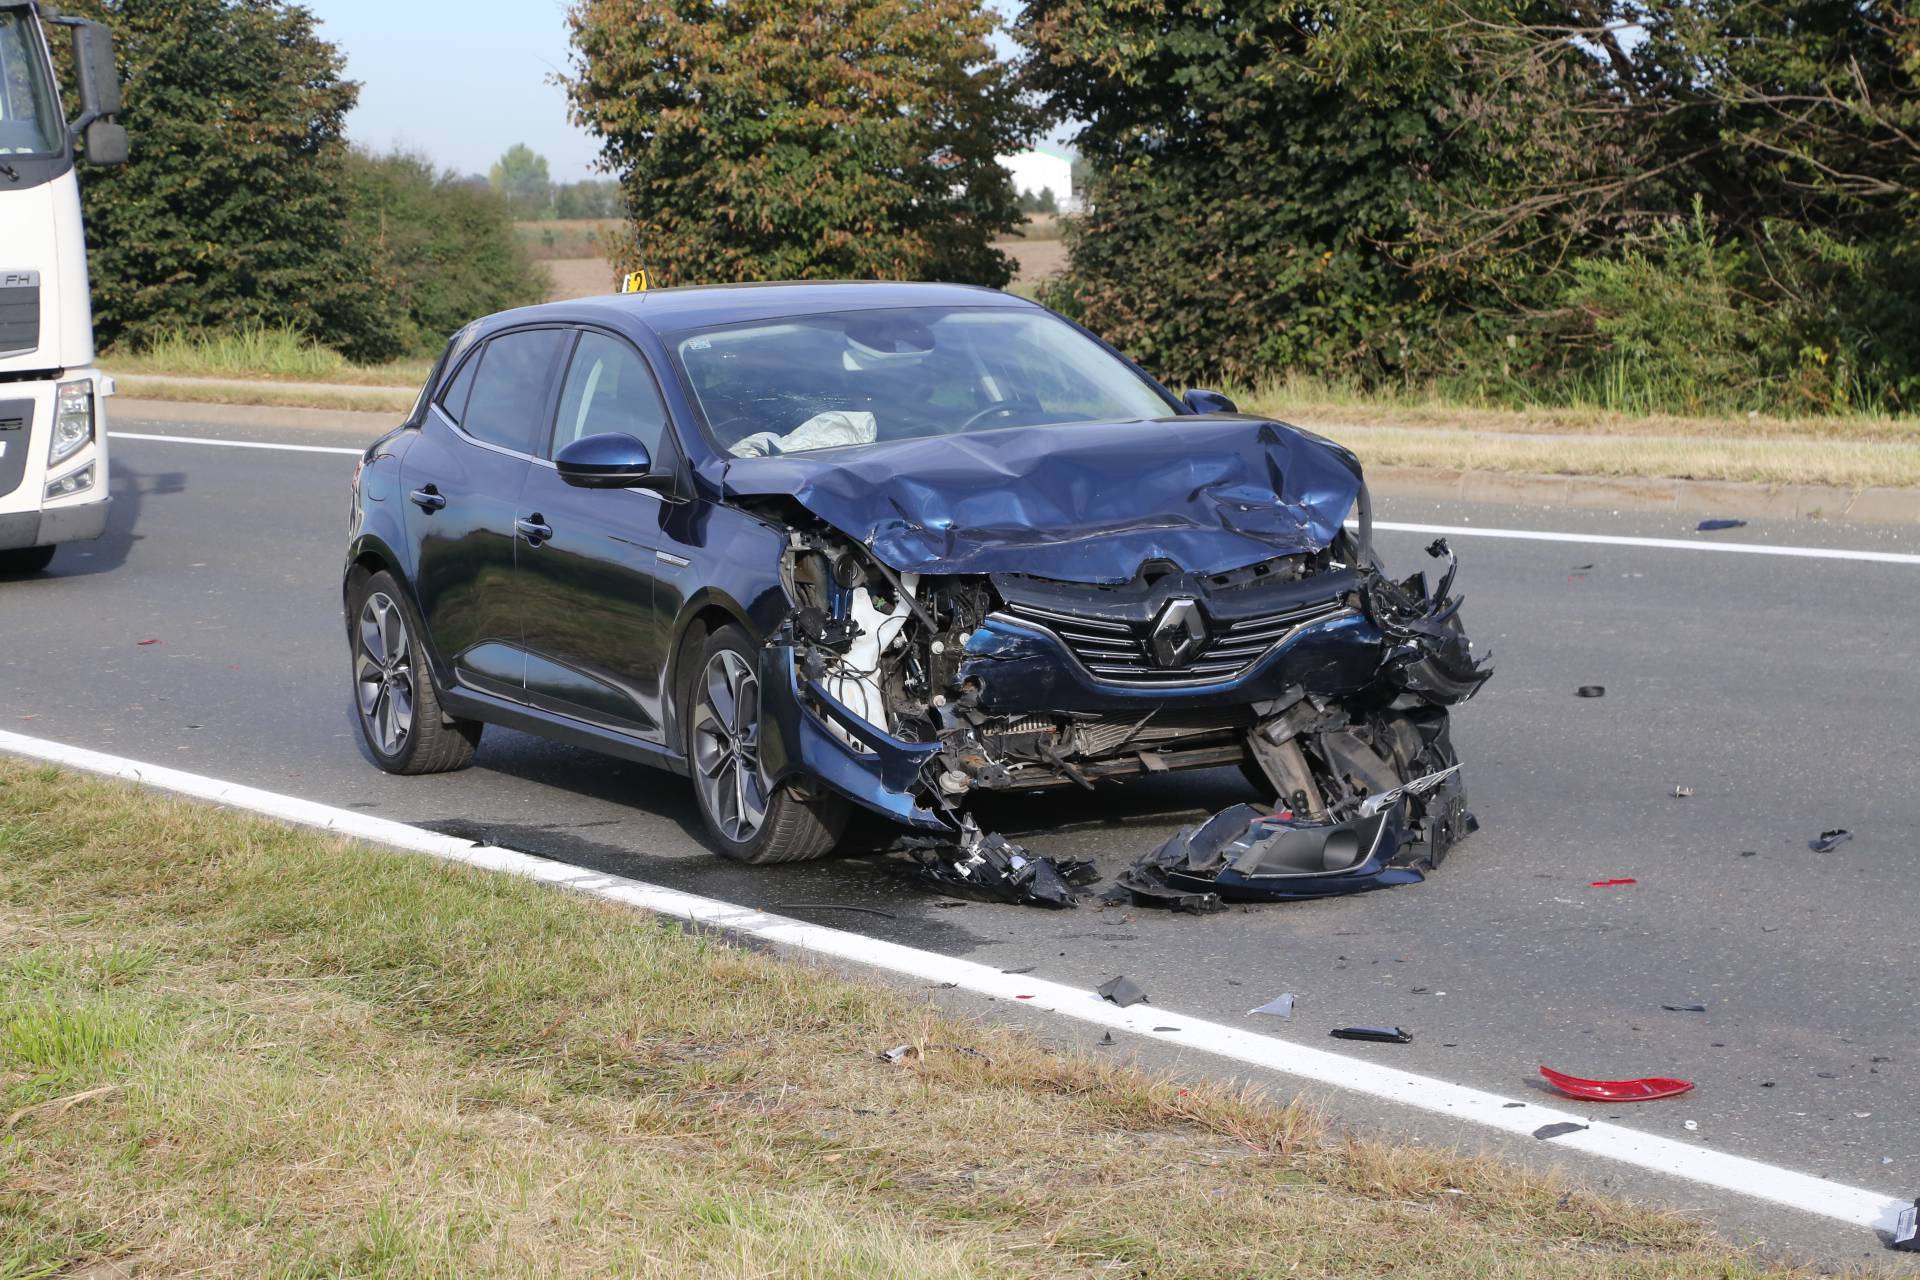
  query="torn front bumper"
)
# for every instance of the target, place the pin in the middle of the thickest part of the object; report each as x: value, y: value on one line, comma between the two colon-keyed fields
x: 796, y: 743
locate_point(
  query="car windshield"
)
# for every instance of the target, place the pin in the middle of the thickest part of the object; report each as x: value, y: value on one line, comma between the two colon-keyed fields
x: 29, y: 124
x: 811, y: 382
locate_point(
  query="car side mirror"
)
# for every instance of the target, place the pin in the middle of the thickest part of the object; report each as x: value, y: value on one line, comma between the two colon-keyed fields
x: 1208, y: 402
x: 612, y: 460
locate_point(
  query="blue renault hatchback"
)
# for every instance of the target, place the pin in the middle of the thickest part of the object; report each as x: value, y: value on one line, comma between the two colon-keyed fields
x: 892, y: 546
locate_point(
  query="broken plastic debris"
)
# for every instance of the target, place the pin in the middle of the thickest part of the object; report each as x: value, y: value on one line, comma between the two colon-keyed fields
x: 1560, y: 1130
x: 1107, y: 1040
x: 1642, y: 1090
x: 1682, y: 793
x: 1684, y: 1008
x: 1830, y: 840
x: 1692, y: 1125
x: 1707, y: 526
x: 1906, y: 1229
x: 898, y: 1054
x: 1385, y: 1035
x: 1608, y: 884
x: 1591, y: 691
x: 1281, y: 1006
x: 1122, y: 991
x: 144, y: 643
x: 994, y: 869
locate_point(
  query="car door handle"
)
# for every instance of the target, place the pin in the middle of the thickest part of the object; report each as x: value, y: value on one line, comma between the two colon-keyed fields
x: 427, y: 499
x: 533, y: 529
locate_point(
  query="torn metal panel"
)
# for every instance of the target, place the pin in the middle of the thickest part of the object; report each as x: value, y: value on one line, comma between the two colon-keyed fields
x: 1075, y: 502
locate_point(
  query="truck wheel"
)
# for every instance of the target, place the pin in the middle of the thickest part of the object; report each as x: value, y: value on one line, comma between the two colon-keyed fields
x: 26, y: 560
x: 749, y: 820
x: 394, y: 699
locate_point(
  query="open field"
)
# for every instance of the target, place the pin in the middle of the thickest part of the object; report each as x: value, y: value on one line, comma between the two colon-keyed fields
x: 229, y: 1045
x: 565, y: 238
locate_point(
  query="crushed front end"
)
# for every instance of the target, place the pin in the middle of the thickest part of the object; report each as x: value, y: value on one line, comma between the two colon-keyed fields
x: 1325, y: 682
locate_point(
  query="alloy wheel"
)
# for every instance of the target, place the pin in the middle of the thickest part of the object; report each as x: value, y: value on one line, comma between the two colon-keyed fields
x: 726, y: 747
x: 383, y: 673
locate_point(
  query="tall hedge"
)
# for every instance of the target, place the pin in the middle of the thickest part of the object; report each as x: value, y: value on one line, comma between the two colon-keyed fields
x: 234, y: 206
x: 1258, y: 178
x: 441, y: 250
x: 799, y: 139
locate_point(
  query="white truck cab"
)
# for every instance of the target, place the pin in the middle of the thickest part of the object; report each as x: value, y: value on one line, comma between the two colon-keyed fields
x: 53, y: 442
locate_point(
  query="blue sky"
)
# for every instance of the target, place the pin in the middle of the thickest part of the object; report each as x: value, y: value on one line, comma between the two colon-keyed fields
x: 462, y: 80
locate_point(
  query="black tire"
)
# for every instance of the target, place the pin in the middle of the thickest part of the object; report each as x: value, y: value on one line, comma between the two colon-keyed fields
x: 25, y: 560
x: 721, y: 743
x: 430, y: 741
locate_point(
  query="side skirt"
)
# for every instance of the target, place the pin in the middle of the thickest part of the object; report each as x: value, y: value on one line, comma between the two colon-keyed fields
x: 472, y: 705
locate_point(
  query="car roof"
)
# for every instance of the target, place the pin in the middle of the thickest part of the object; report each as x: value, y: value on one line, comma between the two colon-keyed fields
x: 694, y: 307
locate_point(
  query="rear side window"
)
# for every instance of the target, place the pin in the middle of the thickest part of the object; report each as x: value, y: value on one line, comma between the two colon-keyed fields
x: 508, y: 403
x: 453, y: 401
x: 609, y: 388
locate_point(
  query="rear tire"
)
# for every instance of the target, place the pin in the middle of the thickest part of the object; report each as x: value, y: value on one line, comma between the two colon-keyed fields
x: 719, y: 711
x: 25, y: 560
x: 394, y: 701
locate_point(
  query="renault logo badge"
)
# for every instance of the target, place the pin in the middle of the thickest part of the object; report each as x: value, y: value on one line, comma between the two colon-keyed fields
x: 1179, y: 633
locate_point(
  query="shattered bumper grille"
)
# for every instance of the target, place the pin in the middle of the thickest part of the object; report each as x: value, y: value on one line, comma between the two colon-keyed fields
x: 1206, y: 652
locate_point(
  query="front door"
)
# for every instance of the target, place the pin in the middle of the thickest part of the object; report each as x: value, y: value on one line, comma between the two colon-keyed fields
x: 596, y: 636
x: 461, y: 482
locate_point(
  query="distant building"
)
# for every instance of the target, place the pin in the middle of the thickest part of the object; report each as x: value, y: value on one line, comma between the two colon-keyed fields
x: 1043, y: 169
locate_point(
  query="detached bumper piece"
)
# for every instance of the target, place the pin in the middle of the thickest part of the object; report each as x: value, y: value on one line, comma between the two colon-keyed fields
x: 1246, y: 854
x: 991, y: 868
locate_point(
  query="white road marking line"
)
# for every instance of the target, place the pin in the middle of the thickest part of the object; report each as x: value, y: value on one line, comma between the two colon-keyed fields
x: 1664, y: 544
x: 1463, y: 531
x: 236, y: 444
x: 1853, y: 1205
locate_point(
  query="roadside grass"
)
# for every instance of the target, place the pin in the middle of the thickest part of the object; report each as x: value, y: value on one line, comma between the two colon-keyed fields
x: 1769, y: 460
x: 383, y: 402
x: 231, y: 1046
x: 1306, y: 399
x: 263, y: 353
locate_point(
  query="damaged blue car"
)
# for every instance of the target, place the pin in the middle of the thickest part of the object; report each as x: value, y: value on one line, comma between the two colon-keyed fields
x: 892, y: 546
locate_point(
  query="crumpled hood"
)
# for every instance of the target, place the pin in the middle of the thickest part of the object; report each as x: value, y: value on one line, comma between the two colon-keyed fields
x: 1079, y: 502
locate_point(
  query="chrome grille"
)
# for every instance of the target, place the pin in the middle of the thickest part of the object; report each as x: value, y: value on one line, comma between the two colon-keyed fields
x: 1120, y: 652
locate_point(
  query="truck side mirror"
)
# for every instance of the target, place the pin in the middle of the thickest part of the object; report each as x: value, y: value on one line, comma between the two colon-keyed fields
x: 106, y: 143
x: 99, y: 76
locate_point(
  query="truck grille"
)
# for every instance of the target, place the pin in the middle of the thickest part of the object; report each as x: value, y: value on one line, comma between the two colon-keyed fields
x: 1120, y: 652
x: 19, y: 312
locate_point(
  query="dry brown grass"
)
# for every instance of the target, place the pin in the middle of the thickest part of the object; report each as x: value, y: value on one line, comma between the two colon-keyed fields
x: 267, y: 394
x: 329, y: 1060
x: 1775, y: 460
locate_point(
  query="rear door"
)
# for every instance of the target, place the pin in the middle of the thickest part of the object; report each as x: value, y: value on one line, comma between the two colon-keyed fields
x: 462, y: 481
x: 595, y: 633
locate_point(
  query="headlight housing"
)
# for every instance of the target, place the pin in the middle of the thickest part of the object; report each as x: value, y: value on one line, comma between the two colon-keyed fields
x: 72, y: 421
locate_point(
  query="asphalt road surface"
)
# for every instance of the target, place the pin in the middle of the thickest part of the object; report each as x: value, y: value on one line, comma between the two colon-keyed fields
x: 1781, y: 690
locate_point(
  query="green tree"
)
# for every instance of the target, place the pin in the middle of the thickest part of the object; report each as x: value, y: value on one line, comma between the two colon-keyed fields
x: 1258, y: 176
x: 521, y: 177
x: 792, y: 139
x: 232, y: 209
x: 441, y: 250
x: 588, y: 199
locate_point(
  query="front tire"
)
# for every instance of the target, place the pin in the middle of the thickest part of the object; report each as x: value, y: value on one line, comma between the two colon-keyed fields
x: 25, y: 560
x: 394, y: 700
x: 748, y: 819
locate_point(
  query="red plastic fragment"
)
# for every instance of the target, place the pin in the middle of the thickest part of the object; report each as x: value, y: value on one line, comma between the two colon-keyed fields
x: 1608, y: 884
x: 1643, y: 1090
